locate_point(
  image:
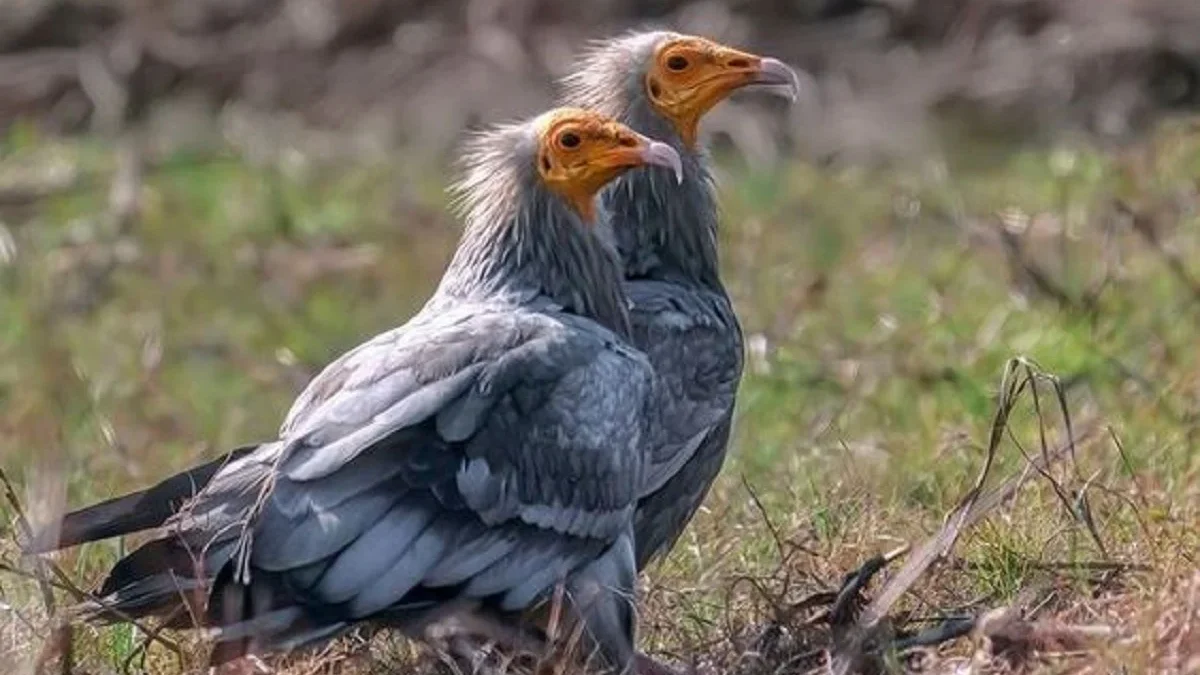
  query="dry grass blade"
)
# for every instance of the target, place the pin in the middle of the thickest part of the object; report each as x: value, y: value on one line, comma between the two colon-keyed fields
x: 1144, y: 224
x: 49, y: 576
x: 1077, y: 505
x: 1032, y: 276
x: 1020, y: 376
x: 780, y: 547
x: 940, y: 543
x: 26, y: 532
x: 150, y: 638
x: 58, y: 645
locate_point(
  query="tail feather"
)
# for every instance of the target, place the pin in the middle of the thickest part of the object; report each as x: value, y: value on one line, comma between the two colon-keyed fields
x: 171, y: 555
x: 160, y: 578
x: 137, y: 511
x: 184, y: 574
x: 160, y: 595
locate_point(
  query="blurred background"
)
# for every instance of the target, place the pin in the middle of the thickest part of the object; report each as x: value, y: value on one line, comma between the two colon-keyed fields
x: 388, y: 72
x: 202, y: 202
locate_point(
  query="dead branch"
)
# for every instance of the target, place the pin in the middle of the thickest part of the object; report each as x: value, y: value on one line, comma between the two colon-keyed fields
x: 1145, y: 225
x: 1019, y: 375
x: 840, y: 612
x: 1030, y: 274
x: 1005, y: 634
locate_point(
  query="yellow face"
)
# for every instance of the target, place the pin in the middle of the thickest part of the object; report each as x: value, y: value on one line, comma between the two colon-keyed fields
x: 579, y: 152
x: 689, y: 75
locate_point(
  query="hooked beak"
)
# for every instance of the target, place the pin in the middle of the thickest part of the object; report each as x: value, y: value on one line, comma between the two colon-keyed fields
x: 660, y: 154
x: 777, y: 77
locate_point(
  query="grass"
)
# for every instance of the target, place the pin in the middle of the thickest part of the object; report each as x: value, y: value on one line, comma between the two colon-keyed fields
x: 881, y: 307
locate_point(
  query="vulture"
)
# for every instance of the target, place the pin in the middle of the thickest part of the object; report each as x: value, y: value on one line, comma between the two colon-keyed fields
x: 661, y: 84
x: 477, y: 460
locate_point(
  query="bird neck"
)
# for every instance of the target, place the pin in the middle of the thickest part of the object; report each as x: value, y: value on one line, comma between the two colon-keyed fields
x: 537, y: 248
x: 666, y: 230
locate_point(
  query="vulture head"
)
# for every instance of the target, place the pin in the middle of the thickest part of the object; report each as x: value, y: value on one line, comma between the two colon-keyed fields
x: 528, y: 196
x: 677, y: 78
x: 579, y: 152
x: 566, y: 155
x: 661, y: 84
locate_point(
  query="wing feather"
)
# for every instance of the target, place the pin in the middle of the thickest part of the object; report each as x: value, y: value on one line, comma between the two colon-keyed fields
x: 482, y: 458
x: 282, y: 543
x: 378, y: 549
x: 693, y: 339
x: 416, y: 407
x: 404, y: 575
x: 476, y: 548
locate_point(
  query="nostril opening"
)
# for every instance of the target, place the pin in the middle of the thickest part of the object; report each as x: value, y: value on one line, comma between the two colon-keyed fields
x: 739, y: 63
x: 628, y: 141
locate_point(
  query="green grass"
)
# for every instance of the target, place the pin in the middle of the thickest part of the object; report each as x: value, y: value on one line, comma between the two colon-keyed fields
x: 881, y: 307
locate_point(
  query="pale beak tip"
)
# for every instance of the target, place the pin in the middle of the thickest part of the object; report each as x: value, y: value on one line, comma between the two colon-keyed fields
x: 779, y: 77
x: 661, y: 154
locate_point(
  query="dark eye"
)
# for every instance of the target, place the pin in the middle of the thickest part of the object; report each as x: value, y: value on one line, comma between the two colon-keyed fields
x: 677, y: 63
x: 569, y: 139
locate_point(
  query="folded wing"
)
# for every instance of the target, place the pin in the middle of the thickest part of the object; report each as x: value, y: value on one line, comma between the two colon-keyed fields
x: 693, y: 340
x: 476, y: 459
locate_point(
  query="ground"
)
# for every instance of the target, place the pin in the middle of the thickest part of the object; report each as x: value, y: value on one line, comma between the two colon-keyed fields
x: 881, y: 306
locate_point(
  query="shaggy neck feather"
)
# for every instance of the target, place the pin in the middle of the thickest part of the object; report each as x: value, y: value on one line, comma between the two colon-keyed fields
x: 522, y: 242
x: 664, y: 230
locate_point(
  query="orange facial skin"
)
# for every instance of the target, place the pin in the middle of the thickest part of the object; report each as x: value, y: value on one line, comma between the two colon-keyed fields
x: 689, y: 75
x: 579, y: 152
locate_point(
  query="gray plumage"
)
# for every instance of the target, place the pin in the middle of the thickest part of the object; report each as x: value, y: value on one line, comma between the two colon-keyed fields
x: 477, y: 456
x: 681, y: 315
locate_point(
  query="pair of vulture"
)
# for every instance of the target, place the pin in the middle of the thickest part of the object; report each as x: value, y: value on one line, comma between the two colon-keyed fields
x: 546, y: 425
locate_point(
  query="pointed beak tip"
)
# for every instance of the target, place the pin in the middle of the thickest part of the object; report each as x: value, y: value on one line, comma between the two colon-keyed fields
x: 779, y: 77
x: 658, y: 153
